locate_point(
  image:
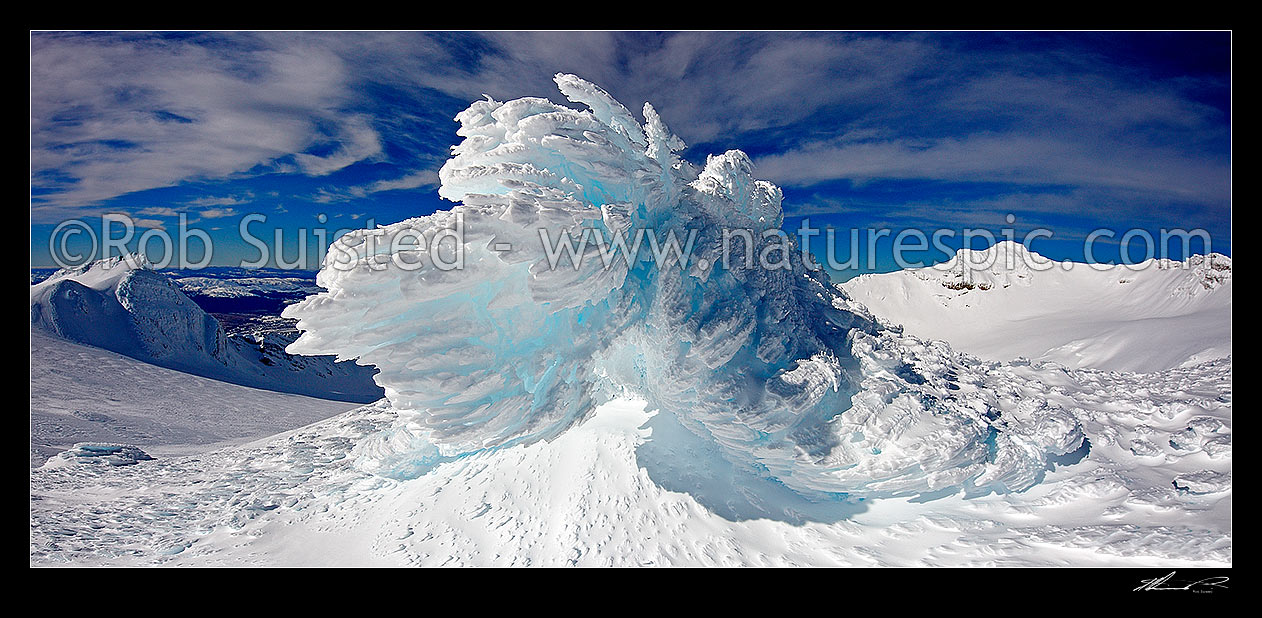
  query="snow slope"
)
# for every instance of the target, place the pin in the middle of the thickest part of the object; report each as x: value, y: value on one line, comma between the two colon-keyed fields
x: 82, y: 393
x: 1002, y: 303
x: 629, y: 487
x: 121, y: 305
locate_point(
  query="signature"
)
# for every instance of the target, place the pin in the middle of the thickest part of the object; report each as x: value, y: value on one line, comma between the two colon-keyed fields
x: 1207, y: 584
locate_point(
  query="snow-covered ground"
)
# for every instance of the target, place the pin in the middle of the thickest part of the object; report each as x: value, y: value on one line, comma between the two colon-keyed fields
x: 81, y: 393
x: 628, y: 487
x: 1001, y: 303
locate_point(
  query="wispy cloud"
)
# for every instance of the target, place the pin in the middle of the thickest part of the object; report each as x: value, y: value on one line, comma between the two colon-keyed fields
x: 413, y: 180
x: 817, y: 107
x: 1008, y: 158
x: 149, y: 224
x: 114, y: 114
x: 197, y: 213
x: 218, y: 213
x: 365, y: 113
x: 223, y: 200
x: 356, y: 142
x: 159, y: 211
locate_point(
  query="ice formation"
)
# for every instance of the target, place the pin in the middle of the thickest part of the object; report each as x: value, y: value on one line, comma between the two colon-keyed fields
x: 775, y: 366
x: 103, y: 454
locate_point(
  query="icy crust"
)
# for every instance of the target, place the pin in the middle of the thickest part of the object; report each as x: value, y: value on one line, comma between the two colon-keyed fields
x: 927, y: 419
x: 774, y: 365
x: 100, y: 454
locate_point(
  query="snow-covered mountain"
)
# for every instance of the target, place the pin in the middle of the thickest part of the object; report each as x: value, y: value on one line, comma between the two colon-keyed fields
x: 122, y: 305
x: 656, y: 414
x: 1006, y: 302
x: 240, y: 291
x: 246, y: 286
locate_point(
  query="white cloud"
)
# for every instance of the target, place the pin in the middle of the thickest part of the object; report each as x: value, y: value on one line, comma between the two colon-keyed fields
x: 218, y: 213
x: 110, y: 111
x: 358, y: 141
x: 112, y: 115
x: 1008, y: 158
x: 413, y: 180
x: 149, y: 224
x: 231, y: 200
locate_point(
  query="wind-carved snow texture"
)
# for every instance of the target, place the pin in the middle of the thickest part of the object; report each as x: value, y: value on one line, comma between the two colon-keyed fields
x: 775, y: 366
x: 1153, y: 492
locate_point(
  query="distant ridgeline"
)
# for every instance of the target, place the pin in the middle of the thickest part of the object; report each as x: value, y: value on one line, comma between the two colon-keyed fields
x: 225, y: 289
x: 1006, y: 302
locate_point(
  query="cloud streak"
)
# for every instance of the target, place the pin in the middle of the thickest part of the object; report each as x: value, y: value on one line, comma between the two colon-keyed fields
x: 118, y: 114
x: 1007, y: 158
x: 1102, y: 117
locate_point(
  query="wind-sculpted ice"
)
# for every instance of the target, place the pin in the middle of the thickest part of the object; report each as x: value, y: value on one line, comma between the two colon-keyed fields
x: 491, y: 346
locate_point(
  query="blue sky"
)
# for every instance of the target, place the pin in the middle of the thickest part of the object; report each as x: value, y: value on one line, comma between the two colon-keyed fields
x: 1070, y: 132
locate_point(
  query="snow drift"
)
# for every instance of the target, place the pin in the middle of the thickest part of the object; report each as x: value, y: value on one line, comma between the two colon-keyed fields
x: 776, y: 368
x: 122, y: 305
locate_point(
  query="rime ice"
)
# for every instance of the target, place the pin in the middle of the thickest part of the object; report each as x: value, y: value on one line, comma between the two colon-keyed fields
x: 774, y: 366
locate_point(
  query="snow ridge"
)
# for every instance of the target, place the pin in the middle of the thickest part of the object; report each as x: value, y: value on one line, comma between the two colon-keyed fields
x: 1007, y: 302
x: 121, y: 304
